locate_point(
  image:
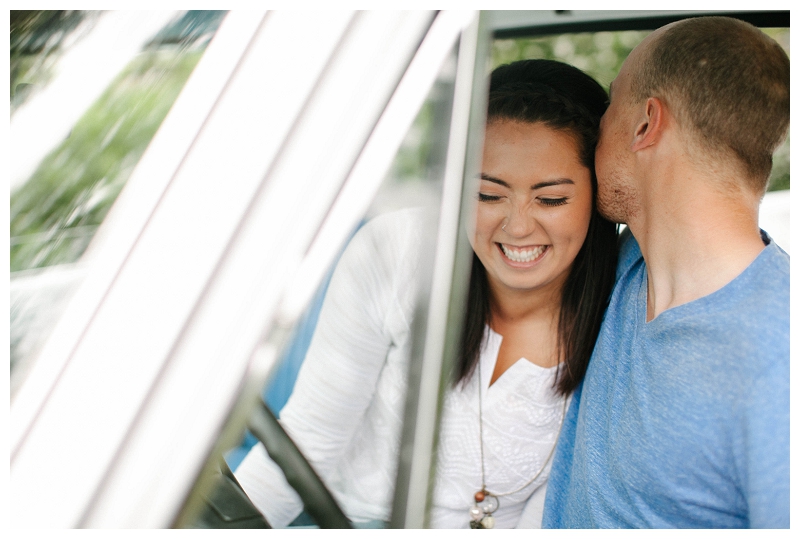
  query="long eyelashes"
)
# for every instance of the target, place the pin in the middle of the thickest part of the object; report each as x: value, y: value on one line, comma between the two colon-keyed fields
x: 553, y: 201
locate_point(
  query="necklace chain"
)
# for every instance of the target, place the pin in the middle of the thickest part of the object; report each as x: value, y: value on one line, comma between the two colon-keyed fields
x: 480, y: 430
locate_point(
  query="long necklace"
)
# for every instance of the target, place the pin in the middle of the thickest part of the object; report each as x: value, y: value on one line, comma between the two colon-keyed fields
x: 486, y: 502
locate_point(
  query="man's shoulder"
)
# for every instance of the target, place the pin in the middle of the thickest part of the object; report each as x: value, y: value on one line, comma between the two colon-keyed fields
x: 762, y: 294
x: 773, y: 259
x: 764, y: 284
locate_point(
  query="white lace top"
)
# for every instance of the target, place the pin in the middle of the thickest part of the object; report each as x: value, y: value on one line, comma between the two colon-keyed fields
x: 345, y: 413
x: 521, y: 419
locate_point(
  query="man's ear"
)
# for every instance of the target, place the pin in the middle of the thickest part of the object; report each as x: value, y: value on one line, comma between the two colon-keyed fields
x: 651, y: 126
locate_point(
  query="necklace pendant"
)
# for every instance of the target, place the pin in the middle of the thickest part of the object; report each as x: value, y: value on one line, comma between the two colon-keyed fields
x: 489, y: 504
x: 476, y: 514
x: 481, y: 513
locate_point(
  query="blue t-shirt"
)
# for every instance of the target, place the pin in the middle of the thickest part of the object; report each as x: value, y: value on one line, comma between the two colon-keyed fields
x: 682, y: 421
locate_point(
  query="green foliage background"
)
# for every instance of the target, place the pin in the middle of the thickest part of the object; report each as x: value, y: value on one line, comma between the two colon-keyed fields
x: 56, y: 212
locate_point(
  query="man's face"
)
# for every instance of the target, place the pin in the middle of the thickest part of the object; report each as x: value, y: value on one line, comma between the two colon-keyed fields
x: 615, y: 189
x: 617, y: 192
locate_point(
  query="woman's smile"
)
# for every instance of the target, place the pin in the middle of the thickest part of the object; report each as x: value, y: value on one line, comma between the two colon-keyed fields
x: 526, y: 256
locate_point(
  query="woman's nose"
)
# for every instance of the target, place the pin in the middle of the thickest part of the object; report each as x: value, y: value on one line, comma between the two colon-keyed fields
x: 519, y: 222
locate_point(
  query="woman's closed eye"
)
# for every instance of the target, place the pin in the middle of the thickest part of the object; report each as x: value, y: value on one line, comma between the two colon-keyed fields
x: 553, y: 201
x: 483, y: 197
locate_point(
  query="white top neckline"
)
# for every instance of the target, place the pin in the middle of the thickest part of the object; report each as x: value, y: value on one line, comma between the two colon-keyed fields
x: 489, y: 357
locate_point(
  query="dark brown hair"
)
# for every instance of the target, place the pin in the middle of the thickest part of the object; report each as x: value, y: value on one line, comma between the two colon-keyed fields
x: 566, y: 99
x: 726, y: 80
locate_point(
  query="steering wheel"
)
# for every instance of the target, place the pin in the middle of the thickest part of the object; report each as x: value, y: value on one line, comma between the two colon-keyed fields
x: 227, y: 505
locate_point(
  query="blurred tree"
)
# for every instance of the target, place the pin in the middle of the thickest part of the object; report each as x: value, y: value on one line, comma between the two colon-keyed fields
x: 56, y: 212
x: 36, y: 39
x: 193, y: 27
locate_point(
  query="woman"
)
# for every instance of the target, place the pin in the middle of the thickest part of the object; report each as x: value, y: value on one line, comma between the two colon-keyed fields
x: 542, y: 272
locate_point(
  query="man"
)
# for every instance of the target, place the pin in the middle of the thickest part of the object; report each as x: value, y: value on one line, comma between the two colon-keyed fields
x: 683, y: 417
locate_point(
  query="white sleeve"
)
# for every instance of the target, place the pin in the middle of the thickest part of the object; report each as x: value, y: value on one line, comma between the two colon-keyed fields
x: 337, y: 380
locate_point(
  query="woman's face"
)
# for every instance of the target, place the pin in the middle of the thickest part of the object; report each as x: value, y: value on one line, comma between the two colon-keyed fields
x: 534, y: 206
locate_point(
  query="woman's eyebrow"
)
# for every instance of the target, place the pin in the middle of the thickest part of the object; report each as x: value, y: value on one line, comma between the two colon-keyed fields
x: 494, y: 180
x: 548, y: 183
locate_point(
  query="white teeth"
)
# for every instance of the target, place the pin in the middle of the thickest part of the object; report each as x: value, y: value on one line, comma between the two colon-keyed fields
x: 524, y: 255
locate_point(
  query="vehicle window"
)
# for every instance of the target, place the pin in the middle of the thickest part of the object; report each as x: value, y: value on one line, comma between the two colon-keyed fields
x: 89, y: 89
x: 410, y: 190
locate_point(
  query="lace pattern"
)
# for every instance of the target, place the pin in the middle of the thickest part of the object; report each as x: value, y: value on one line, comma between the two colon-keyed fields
x: 521, y: 415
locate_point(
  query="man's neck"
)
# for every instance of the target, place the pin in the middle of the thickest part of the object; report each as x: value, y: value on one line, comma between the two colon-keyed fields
x: 694, y: 245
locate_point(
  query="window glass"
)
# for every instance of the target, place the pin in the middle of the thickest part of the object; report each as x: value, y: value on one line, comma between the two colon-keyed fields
x: 414, y: 183
x: 89, y: 89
